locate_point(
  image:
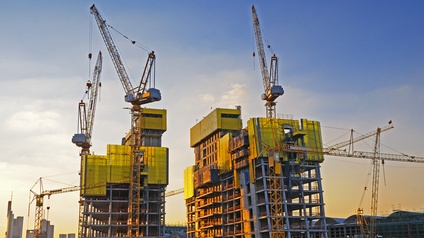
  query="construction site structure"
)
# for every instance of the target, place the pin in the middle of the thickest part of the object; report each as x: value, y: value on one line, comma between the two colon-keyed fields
x: 138, y: 209
x: 228, y: 189
x: 106, y: 208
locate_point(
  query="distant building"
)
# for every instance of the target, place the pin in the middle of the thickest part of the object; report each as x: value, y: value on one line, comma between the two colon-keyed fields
x: 399, y: 224
x: 71, y: 235
x: 14, y: 225
x: 47, y: 230
x: 175, y: 231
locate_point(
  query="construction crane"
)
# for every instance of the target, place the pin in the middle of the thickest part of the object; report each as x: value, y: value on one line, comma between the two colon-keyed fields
x: 38, y: 197
x: 271, y: 92
x: 136, y: 96
x: 39, y: 203
x: 86, y: 115
x: 270, y: 79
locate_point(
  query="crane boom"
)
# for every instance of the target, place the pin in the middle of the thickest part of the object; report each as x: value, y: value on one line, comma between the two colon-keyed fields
x: 113, y: 51
x: 138, y: 95
x: 260, y: 49
x: 94, y: 94
x: 86, y: 119
x: 270, y: 79
x: 359, y: 138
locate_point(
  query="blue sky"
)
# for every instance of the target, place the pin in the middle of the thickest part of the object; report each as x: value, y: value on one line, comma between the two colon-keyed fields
x: 347, y: 64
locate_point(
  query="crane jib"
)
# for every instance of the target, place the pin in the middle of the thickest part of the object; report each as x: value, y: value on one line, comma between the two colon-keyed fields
x: 138, y: 95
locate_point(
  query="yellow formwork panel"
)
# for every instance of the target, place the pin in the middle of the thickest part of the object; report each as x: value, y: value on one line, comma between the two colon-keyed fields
x: 313, y: 139
x: 252, y: 171
x: 157, y: 164
x: 189, y: 182
x: 224, y: 157
x: 98, y: 170
x: 265, y: 134
x: 94, y: 175
x: 245, y: 213
x: 119, y: 161
x: 220, y: 118
x: 154, y: 119
x: 236, y: 178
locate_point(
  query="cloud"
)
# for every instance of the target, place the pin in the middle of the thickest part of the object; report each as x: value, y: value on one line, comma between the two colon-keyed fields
x: 207, y: 97
x: 235, y: 95
x: 30, y: 121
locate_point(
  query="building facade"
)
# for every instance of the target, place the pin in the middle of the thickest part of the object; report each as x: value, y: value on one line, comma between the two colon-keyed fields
x: 399, y: 224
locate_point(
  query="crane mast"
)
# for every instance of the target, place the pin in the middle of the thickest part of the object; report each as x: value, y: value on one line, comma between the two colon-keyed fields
x: 375, y: 183
x: 270, y: 79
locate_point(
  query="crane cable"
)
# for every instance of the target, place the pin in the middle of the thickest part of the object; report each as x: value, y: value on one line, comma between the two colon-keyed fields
x: 132, y: 41
x: 145, y: 48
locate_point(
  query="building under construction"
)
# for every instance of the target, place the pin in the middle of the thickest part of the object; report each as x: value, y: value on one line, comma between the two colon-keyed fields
x: 105, y: 184
x: 259, y: 181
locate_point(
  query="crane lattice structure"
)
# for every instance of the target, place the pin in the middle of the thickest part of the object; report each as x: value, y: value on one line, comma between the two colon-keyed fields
x: 86, y: 113
x: 137, y: 96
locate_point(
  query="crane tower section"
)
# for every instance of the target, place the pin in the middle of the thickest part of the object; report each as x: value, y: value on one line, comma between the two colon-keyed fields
x: 270, y: 78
